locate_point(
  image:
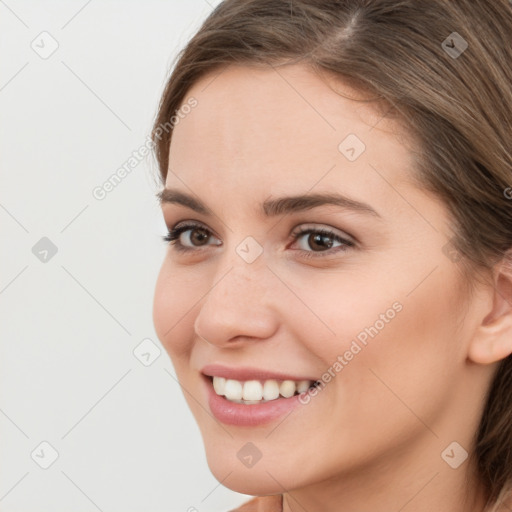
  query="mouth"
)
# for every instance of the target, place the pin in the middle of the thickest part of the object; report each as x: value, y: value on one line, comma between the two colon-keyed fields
x: 258, y: 391
x: 249, y: 397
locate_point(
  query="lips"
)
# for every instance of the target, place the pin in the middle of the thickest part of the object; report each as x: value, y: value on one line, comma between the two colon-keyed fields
x: 251, y: 396
x: 247, y: 373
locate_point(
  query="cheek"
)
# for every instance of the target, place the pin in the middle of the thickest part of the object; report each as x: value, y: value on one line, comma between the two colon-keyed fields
x: 173, y: 311
x: 412, y: 362
x: 389, y: 347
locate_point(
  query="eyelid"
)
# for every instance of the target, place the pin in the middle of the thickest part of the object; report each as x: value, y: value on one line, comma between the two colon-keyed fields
x: 298, y: 229
x: 305, y: 227
x: 333, y: 252
x: 175, y: 232
x: 346, y: 240
x: 191, y: 224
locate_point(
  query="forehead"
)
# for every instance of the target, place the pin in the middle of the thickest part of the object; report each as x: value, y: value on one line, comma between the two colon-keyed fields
x: 284, y: 128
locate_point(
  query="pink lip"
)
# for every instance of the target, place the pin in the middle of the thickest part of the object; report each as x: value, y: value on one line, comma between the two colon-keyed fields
x: 243, y: 415
x: 246, y: 373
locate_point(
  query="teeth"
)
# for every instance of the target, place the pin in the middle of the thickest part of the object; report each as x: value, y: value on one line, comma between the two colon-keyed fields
x: 233, y: 389
x: 287, y: 388
x: 303, y: 385
x: 254, y: 391
x: 219, y: 384
x: 270, y: 390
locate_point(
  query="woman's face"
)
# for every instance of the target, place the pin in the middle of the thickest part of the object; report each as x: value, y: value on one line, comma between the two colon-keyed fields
x: 371, y: 309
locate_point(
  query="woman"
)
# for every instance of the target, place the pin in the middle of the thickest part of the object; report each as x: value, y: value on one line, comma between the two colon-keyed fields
x: 336, y: 294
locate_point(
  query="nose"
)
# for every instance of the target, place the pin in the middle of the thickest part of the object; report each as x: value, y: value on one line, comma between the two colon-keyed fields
x: 239, y: 306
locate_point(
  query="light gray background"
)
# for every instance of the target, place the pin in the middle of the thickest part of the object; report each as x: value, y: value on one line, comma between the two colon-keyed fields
x: 125, y: 438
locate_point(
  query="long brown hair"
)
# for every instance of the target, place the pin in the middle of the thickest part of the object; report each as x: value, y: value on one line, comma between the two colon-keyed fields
x: 445, y: 68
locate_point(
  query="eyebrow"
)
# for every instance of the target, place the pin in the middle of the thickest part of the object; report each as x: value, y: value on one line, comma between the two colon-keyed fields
x: 275, y: 206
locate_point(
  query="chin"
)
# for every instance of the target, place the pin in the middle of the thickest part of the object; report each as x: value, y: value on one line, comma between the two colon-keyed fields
x: 262, y: 479
x: 249, y: 481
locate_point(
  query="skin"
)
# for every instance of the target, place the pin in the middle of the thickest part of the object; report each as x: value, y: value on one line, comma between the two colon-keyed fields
x: 372, y: 439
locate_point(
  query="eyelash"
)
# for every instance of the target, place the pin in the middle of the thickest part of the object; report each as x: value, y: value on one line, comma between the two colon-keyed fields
x: 172, y: 238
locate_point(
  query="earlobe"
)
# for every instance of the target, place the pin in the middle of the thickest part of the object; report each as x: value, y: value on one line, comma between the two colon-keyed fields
x: 492, y: 340
x: 492, y: 343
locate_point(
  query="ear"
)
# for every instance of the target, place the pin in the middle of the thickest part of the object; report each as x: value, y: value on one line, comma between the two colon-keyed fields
x: 492, y: 340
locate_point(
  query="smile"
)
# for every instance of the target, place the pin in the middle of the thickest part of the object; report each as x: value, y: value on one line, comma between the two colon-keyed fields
x: 246, y: 397
x: 253, y: 392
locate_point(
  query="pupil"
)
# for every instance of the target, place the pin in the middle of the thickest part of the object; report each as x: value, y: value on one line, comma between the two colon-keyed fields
x: 324, y: 240
x: 202, y: 235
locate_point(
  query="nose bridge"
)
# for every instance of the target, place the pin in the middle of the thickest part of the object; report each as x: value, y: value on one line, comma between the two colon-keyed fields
x: 245, y: 270
x: 236, y: 304
x: 236, y: 279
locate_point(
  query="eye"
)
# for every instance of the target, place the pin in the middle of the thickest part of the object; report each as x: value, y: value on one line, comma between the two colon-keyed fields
x: 197, y: 237
x: 321, y: 241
